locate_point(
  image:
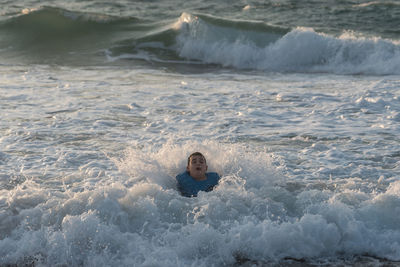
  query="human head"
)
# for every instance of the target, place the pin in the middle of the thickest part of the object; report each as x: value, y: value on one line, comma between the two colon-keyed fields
x: 196, y: 154
x: 197, y: 165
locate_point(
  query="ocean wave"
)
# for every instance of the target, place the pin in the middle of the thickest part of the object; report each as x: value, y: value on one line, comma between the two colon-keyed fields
x: 50, y: 23
x: 164, y: 43
x: 198, y: 39
x: 202, y: 39
x: 47, y: 33
x: 48, y: 16
x: 299, y: 50
x: 377, y: 4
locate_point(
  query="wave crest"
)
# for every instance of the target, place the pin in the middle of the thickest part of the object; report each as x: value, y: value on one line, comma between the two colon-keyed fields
x: 299, y: 50
x: 49, y: 34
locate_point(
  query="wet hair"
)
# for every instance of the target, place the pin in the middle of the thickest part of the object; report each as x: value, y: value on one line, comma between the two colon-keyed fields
x: 196, y: 154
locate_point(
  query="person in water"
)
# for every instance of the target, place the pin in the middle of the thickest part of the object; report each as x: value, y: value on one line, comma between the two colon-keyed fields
x: 196, y: 178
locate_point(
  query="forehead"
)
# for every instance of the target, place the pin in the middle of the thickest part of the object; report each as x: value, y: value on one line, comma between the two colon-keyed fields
x: 197, y: 157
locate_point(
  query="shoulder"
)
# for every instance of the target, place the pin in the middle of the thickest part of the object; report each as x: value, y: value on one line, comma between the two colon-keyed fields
x: 213, y: 175
x: 186, y: 185
x: 182, y: 176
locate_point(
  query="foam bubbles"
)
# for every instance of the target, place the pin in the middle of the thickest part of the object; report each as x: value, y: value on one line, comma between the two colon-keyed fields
x: 300, y: 50
x: 292, y: 186
x: 141, y: 219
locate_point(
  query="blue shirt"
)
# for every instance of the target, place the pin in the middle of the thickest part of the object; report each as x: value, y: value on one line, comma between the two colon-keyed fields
x: 189, y: 187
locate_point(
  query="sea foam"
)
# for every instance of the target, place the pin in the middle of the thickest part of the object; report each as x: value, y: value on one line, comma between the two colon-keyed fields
x: 299, y: 50
x: 255, y: 213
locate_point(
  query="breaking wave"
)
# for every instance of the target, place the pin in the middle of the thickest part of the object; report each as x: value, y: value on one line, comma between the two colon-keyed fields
x: 193, y: 39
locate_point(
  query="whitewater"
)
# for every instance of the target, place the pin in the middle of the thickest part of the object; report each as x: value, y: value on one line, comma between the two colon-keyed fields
x: 102, y: 103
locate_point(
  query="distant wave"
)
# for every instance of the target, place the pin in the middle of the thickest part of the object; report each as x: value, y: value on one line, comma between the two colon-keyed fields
x: 54, y: 35
x: 299, y: 50
x: 194, y: 39
x: 53, y: 17
x: 184, y: 39
x: 378, y: 3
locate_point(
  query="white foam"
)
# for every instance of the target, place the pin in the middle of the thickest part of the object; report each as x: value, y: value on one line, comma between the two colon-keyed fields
x: 142, y: 219
x: 102, y: 199
x: 300, y: 50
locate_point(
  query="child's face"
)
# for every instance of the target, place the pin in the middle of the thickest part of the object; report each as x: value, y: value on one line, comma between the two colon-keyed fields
x: 197, y: 167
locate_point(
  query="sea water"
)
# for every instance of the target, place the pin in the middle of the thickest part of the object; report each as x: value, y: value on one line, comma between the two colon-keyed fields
x: 296, y: 104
